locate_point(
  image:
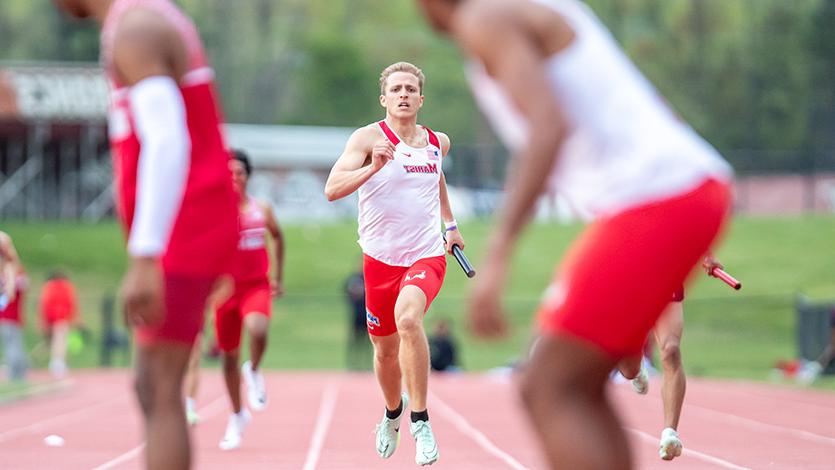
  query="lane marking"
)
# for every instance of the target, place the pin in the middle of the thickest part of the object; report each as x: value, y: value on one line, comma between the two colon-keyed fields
x: 766, y: 427
x: 689, y: 452
x: 326, y: 407
x: 42, y: 424
x: 473, y: 433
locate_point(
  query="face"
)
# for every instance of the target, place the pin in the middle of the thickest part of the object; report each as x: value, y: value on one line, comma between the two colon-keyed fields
x: 239, y: 177
x: 438, y: 13
x: 75, y: 8
x: 402, y: 96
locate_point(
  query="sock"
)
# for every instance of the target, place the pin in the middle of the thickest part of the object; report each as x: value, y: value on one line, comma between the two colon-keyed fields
x: 189, y: 404
x: 420, y: 416
x: 393, y: 414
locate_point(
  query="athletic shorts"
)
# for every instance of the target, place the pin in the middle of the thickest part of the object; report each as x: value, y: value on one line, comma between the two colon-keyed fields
x: 185, y: 303
x: 11, y: 313
x: 616, y: 279
x: 383, y: 284
x: 248, y: 298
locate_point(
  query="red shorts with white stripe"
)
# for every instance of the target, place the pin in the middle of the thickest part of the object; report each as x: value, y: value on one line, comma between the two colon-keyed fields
x: 248, y: 298
x: 617, y: 278
x: 185, y: 303
x: 383, y: 284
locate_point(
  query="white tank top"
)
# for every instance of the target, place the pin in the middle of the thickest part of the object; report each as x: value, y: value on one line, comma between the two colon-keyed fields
x: 624, y: 147
x: 399, y: 207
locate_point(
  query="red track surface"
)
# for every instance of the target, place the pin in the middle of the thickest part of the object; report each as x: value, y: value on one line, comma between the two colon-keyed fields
x: 326, y: 421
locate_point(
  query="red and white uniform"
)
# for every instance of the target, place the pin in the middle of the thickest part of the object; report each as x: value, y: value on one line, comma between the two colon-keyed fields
x: 203, y: 236
x: 659, y: 192
x: 399, y: 223
x: 12, y: 312
x: 250, y: 272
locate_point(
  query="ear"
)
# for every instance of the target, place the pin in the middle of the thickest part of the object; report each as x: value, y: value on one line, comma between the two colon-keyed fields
x: 383, y: 100
x: 421, y: 101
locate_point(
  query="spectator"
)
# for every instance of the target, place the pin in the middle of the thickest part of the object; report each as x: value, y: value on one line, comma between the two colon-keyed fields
x: 13, y: 283
x: 59, y: 308
x: 812, y: 370
x: 358, y: 339
x: 443, y: 351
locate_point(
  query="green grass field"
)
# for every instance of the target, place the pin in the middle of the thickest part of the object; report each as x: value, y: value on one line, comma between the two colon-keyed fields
x: 727, y: 334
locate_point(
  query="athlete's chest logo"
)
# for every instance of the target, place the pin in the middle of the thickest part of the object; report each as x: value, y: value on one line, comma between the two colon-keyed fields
x: 429, y: 168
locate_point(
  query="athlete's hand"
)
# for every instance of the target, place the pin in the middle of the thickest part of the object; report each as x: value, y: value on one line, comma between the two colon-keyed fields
x: 142, y: 292
x: 277, y: 288
x: 485, y: 314
x: 382, y: 153
x: 453, y: 237
x: 710, y: 263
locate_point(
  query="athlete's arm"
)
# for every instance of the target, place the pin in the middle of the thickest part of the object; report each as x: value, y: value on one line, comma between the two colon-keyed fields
x: 512, y: 57
x: 453, y: 236
x: 278, y: 248
x: 352, y: 169
x: 149, y: 57
x: 11, y: 266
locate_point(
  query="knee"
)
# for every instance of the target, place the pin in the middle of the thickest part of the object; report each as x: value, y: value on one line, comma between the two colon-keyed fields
x: 410, y: 323
x: 535, y: 390
x: 385, y: 355
x: 671, y: 355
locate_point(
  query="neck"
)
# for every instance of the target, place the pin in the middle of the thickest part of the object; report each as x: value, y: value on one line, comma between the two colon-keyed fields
x: 406, y: 128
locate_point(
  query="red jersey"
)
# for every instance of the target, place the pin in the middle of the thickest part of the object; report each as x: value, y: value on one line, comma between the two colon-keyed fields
x: 203, y: 234
x: 12, y: 312
x: 58, y: 301
x: 252, y: 260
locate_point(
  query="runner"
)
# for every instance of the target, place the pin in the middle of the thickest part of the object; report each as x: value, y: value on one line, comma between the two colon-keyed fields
x: 248, y: 307
x: 174, y: 197
x: 395, y: 164
x: 554, y: 83
x: 668, y: 332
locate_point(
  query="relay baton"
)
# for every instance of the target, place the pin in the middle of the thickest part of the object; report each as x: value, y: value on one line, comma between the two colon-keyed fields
x: 459, y: 255
x: 726, y: 278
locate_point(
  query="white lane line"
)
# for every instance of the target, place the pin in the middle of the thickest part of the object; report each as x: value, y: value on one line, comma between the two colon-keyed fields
x: 689, y: 452
x: 58, y: 419
x: 207, y: 412
x: 126, y: 457
x: 470, y: 431
x: 759, y: 426
x: 323, y: 421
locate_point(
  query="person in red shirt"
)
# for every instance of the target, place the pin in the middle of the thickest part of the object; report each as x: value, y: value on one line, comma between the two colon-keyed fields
x: 248, y: 307
x: 13, y: 283
x: 59, y: 309
x: 174, y: 197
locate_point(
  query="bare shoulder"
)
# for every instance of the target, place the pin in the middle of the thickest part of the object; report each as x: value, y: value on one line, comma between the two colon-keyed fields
x: 147, y: 44
x: 265, y: 206
x: 446, y: 143
x: 143, y: 23
x: 473, y: 16
x: 365, y: 137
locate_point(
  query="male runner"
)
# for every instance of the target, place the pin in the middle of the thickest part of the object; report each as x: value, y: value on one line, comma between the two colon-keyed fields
x: 548, y: 73
x: 249, y: 305
x: 668, y: 331
x: 395, y: 164
x: 174, y: 197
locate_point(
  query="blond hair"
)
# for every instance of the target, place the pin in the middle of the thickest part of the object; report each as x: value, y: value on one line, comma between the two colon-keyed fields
x: 401, y: 67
